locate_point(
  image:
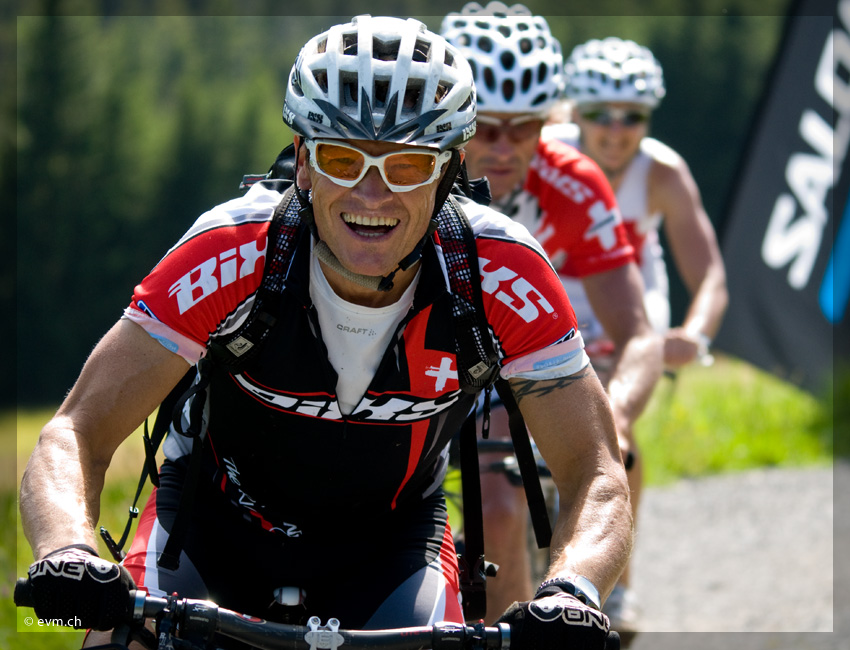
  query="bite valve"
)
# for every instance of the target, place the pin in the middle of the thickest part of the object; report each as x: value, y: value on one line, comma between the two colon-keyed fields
x: 324, y: 637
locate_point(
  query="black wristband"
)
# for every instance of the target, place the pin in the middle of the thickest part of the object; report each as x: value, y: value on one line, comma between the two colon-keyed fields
x: 574, y: 585
x: 81, y: 547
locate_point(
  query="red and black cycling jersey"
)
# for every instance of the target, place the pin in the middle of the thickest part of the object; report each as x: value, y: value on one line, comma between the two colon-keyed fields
x: 277, y: 441
x: 568, y: 205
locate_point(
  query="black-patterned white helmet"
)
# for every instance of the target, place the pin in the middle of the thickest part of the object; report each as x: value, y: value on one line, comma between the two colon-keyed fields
x: 613, y: 70
x: 516, y: 62
x: 385, y: 79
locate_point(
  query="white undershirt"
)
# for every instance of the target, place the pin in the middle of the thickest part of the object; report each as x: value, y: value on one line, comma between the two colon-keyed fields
x: 356, y: 336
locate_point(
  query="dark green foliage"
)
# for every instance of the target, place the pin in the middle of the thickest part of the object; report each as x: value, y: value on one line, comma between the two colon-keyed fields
x: 128, y: 128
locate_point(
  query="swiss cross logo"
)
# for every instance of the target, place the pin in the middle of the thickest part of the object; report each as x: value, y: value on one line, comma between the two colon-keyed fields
x: 216, y: 272
x: 442, y: 373
x: 604, y: 222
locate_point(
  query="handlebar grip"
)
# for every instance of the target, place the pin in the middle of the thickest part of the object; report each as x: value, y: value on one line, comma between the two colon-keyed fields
x: 23, y: 593
x: 612, y: 642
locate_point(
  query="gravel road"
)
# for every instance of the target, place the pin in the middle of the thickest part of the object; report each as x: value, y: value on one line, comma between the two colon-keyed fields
x: 751, y: 561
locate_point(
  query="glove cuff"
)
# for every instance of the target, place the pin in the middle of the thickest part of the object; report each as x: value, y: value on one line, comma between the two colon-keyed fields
x: 574, y: 585
x: 81, y: 547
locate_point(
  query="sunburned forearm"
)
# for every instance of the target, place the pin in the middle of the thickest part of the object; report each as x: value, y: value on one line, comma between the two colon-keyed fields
x: 594, y: 539
x: 570, y: 420
x: 58, y: 506
x: 637, y: 371
x: 708, y: 306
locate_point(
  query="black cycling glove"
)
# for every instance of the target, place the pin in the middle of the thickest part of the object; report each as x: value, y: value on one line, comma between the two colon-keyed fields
x: 74, y: 587
x: 556, y: 620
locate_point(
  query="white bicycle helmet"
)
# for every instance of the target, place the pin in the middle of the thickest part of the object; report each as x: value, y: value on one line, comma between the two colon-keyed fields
x: 613, y: 70
x: 516, y: 62
x: 384, y: 79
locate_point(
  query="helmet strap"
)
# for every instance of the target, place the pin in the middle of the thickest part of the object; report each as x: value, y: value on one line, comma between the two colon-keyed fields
x: 447, y: 182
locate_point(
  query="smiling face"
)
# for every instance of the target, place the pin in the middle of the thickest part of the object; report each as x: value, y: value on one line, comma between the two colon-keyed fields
x: 368, y: 227
x: 611, y: 143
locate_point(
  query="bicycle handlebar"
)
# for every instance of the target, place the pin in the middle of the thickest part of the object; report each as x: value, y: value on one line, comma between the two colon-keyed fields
x: 201, y: 619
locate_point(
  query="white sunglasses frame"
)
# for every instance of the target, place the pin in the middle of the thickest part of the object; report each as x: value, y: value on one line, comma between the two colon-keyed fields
x: 440, y: 157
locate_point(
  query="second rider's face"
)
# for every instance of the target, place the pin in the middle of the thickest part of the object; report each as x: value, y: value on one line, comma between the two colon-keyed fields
x: 502, y: 152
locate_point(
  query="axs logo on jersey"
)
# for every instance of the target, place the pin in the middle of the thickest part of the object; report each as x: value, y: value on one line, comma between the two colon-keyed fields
x: 511, y: 289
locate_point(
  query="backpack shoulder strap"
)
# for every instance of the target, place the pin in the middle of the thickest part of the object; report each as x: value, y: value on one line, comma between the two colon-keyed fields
x: 235, y: 350
x: 231, y: 354
x: 477, y: 360
x: 478, y: 369
x: 527, y: 466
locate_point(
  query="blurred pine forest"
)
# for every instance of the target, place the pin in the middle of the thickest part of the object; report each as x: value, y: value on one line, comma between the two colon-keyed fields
x: 121, y: 122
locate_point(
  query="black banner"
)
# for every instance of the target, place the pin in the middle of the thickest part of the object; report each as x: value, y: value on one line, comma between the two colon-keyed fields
x: 786, y: 239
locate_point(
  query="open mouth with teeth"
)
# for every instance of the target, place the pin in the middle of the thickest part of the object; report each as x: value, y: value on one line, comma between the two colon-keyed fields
x: 367, y: 226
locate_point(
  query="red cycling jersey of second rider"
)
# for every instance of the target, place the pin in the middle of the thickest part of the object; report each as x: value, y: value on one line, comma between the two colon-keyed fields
x: 568, y: 205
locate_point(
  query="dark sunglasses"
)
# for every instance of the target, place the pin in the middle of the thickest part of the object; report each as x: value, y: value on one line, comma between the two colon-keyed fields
x: 607, y: 116
x: 516, y: 129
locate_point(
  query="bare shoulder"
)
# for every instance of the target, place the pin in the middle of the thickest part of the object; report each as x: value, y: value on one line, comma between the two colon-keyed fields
x: 661, y: 154
x: 671, y: 183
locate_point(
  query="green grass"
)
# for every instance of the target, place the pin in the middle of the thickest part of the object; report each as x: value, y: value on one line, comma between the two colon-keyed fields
x: 731, y: 417
x: 724, y: 418
x: 18, y: 435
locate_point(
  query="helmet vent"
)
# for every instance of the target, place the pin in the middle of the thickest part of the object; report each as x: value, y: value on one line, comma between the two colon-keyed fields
x: 525, y: 45
x: 508, y: 60
x: 485, y: 44
x: 385, y: 51
x: 421, y: 51
x: 380, y: 92
x: 321, y: 77
x: 412, y: 98
x: 527, y: 78
x: 542, y: 70
x: 295, y: 84
x: 508, y: 89
x: 504, y: 30
x: 542, y: 98
x: 489, y: 79
x: 348, y: 88
x: 349, y: 44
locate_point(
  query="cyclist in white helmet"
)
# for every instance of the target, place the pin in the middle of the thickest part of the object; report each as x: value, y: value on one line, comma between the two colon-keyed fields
x: 563, y: 198
x: 314, y: 466
x: 613, y: 85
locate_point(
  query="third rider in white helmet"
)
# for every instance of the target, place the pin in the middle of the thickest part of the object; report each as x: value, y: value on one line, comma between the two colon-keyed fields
x: 613, y: 86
